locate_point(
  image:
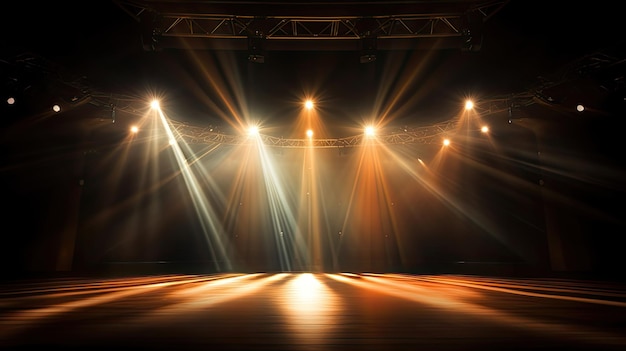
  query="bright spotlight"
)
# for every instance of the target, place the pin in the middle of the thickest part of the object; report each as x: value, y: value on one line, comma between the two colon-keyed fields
x: 11, y: 100
x: 134, y: 129
x: 154, y: 104
x: 309, y: 133
x: 580, y: 108
x: 253, y: 131
x: 370, y: 131
x: 469, y: 105
x: 446, y: 142
x: 308, y: 104
x: 484, y: 129
x: 56, y: 108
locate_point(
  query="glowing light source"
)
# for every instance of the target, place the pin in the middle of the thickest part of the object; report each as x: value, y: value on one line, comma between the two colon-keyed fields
x: 134, y: 129
x: 370, y: 131
x: 308, y: 104
x: 253, y: 131
x: 580, y: 108
x: 484, y: 129
x: 469, y: 105
x: 446, y: 142
x: 56, y: 108
x: 309, y: 133
x: 154, y: 104
x: 11, y: 100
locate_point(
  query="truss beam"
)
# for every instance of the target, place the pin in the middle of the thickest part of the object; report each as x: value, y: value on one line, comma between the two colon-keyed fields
x: 312, y: 25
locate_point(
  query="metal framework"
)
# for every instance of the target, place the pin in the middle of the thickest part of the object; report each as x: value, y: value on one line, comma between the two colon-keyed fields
x: 420, y: 135
x: 340, y: 25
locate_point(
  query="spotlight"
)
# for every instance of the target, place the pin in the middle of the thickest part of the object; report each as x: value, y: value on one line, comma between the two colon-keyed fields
x: 11, y: 100
x: 367, y: 58
x: 256, y: 58
x: 56, y: 108
x: 253, y: 131
x: 368, y: 49
x: 255, y: 48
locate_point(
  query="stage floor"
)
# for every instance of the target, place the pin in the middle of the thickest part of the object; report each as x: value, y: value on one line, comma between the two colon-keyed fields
x: 312, y: 311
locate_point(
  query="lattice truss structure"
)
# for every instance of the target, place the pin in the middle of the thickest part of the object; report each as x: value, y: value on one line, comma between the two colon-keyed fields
x: 419, y: 135
x: 427, y: 134
x: 232, y: 24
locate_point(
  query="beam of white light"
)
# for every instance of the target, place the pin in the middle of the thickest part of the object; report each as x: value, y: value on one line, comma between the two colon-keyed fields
x: 209, y: 220
x: 283, y: 219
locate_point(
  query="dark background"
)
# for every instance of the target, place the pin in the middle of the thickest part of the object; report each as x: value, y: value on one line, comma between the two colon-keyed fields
x: 550, y: 201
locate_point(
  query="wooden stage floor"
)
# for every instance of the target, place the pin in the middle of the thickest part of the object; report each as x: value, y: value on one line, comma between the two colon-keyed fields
x: 312, y: 311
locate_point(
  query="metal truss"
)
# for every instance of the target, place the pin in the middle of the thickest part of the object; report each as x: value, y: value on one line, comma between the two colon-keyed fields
x: 419, y: 135
x: 335, y: 21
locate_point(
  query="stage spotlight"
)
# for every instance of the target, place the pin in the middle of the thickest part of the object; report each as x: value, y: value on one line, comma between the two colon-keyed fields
x: 308, y: 104
x: 256, y: 48
x: 446, y: 142
x: 580, y: 108
x: 484, y: 129
x: 469, y: 105
x: 309, y: 133
x: 256, y: 58
x: 367, y: 58
x: 368, y: 49
x: 154, y: 104
x: 370, y: 131
x: 56, y: 108
x: 253, y: 131
x: 134, y: 129
x: 11, y: 100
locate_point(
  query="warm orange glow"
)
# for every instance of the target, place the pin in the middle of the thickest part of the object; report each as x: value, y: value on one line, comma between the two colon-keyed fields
x: 309, y: 133
x: 308, y: 104
x: 484, y: 129
x: 446, y: 142
x: 134, y: 129
x: 309, y: 304
x: 469, y: 105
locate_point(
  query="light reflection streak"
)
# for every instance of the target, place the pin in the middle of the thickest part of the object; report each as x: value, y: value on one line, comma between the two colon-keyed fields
x: 23, y: 319
x: 454, y: 301
x: 197, y: 299
x: 81, y: 287
x: 511, y: 289
x: 310, y: 306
